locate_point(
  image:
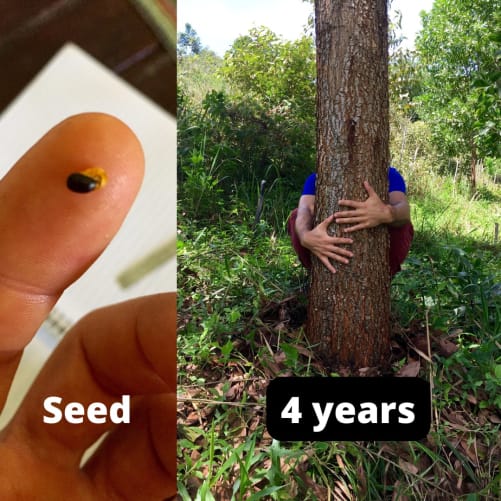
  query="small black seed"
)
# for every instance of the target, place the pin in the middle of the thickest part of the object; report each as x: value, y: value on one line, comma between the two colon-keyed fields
x: 80, y: 183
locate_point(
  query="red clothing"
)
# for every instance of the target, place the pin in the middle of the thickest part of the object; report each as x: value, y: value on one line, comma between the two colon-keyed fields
x: 400, y: 243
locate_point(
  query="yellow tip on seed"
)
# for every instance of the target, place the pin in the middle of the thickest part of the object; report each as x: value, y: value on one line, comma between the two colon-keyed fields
x: 97, y: 174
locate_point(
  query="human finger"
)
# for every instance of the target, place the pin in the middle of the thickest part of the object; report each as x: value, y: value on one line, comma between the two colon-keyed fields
x: 341, y: 240
x: 138, y: 461
x: 50, y: 234
x: 124, y: 349
x: 369, y: 189
x: 343, y: 214
x: 351, y: 219
x: 340, y: 251
x: 327, y: 264
x: 350, y: 203
x: 336, y: 255
x: 361, y: 226
x: 327, y: 221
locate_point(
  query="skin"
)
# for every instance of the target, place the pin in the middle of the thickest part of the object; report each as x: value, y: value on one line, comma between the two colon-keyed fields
x: 360, y: 214
x: 50, y: 236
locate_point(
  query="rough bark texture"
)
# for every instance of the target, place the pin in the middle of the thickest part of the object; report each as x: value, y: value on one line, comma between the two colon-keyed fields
x: 348, y: 312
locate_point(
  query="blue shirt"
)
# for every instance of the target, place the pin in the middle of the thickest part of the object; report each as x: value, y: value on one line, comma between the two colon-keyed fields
x: 395, y: 182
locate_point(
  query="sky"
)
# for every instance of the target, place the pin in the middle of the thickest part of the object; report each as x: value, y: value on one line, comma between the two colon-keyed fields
x: 219, y: 22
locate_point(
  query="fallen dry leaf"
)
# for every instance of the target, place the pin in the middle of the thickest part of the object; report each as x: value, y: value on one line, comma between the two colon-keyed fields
x: 446, y: 348
x: 271, y: 368
x: 471, y: 399
x: 408, y: 467
x: 421, y: 343
x: 235, y: 391
x: 494, y: 418
x: 368, y: 371
x: 318, y: 490
x: 281, y: 326
x: 455, y: 418
x: 280, y: 357
x: 340, y: 492
x: 192, y: 418
x: 362, y: 480
x: 207, y: 411
x: 303, y: 351
x: 397, y: 496
x: 470, y: 451
x: 410, y: 369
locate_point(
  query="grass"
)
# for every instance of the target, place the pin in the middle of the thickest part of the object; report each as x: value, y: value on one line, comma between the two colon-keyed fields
x: 241, y: 315
x: 241, y: 310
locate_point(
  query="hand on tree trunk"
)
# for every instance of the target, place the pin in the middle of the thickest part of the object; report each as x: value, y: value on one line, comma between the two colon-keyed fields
x: 325, y: 246
x: 368, y: 214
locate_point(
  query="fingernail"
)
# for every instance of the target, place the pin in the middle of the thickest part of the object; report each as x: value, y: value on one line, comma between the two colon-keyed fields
x: 87, y: 180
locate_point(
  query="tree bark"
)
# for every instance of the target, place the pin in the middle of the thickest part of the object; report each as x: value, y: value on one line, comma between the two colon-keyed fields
x: 348, y: 313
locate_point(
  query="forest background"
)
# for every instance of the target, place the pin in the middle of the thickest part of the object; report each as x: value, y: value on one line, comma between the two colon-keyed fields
x: 249, y: 117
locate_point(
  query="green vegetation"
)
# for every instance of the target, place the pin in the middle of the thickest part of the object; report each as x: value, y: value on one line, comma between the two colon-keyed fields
x: 242, y: 293
x: 459, y: 51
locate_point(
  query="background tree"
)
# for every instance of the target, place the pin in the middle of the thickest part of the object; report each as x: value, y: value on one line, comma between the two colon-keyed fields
x: 348, y: 313
x: 277, y: 72
x: 188, y: 41
x: 244, y: 118
x: 458, y: 48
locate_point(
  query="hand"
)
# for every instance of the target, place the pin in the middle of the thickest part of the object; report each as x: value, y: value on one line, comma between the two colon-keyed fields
x: 327, y: 247
x: 50, y: 235
x: 368, y: 214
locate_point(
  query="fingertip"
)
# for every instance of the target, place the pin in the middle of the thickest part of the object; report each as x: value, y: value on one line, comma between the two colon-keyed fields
x: 331, y: 268
x: 327, y: 220
x: 325, y: 261
x: 58, y: 233
x: 101, y: 140
x: 50, y: 234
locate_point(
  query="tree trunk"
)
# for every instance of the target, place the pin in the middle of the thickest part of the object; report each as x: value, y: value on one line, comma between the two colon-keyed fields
x: 473, y: 168
x: 348, y: 313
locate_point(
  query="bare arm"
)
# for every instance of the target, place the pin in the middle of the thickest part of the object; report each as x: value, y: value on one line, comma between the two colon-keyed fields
x: 399, y: 209
x: 317, y: 239
x: 305, y: 215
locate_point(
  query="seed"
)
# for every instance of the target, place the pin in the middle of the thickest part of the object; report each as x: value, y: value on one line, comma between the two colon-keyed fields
x: 81, y: 184
x: 87, y: 180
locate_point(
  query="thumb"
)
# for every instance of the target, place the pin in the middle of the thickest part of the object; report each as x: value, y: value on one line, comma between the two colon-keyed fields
x: 369, y: 189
